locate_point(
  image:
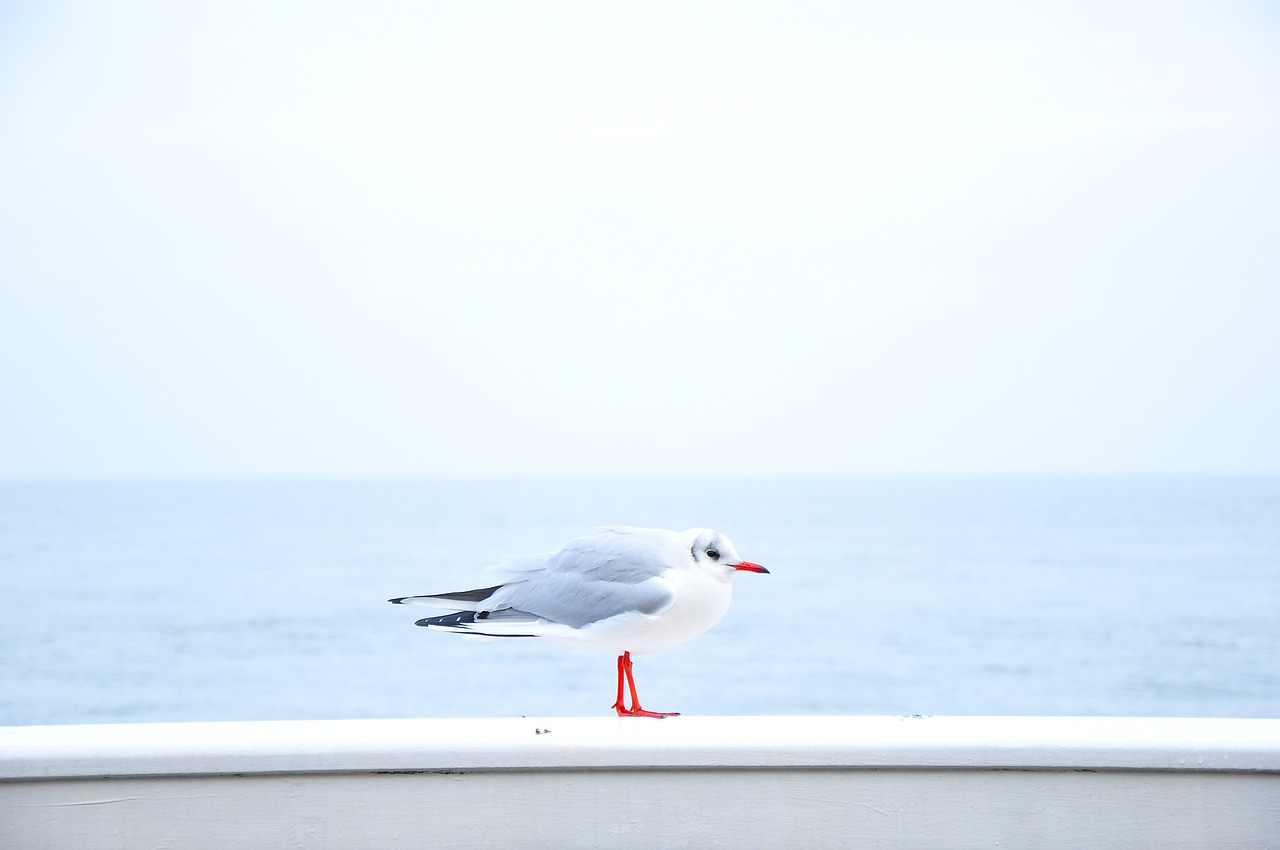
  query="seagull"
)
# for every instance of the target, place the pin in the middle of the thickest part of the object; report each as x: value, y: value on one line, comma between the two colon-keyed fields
x: 618, y: 590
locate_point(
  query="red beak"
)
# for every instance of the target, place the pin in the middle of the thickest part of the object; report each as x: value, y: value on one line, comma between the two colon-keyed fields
x: 749, y: 567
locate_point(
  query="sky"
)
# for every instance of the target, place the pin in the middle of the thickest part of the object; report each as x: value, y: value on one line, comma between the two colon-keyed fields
x: 286, y: 239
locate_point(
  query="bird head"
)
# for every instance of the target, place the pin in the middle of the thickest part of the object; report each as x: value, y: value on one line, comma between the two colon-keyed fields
x: 711, y: 548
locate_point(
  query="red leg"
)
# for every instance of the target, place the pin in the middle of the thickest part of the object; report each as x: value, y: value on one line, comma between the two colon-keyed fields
x: 624, y: 669
x: 618, y: 705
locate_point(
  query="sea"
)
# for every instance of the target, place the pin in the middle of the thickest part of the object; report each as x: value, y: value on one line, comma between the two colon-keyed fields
x: 126, y: 602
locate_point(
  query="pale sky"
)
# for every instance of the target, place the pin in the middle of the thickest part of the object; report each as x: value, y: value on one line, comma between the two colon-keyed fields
x: 426, y: 238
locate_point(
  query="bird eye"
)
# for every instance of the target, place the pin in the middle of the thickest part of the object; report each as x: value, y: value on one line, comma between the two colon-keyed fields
x: 713, y: 553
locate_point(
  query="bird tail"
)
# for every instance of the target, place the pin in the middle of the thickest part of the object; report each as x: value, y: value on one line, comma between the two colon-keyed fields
x: 462, y: 600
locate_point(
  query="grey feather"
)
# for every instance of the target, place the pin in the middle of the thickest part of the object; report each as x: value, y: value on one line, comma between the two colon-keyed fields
x: 574, y: 600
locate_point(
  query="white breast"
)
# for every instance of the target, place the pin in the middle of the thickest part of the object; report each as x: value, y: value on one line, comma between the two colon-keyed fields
x: 701, y: 599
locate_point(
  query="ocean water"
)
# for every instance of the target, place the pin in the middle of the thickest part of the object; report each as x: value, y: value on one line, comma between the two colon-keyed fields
x: 179, y: 601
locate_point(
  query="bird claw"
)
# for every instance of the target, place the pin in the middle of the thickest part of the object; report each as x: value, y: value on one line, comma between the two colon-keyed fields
x: 637, y: 711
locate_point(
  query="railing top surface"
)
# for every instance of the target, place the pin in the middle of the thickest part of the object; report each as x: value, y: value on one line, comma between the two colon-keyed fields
x: 444, y: 744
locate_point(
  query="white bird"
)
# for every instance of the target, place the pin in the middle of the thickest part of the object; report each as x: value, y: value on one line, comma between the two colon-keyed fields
x: 617, y: 590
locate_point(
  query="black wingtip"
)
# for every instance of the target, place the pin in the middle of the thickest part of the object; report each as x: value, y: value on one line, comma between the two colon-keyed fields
x: 456, y: 619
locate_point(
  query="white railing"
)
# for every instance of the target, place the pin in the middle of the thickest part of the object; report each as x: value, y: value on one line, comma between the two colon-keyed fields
x: 691, y: 781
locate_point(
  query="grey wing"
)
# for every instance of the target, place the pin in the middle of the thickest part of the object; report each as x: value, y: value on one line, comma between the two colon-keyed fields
x: 578, y: 600
x: 616, y: 554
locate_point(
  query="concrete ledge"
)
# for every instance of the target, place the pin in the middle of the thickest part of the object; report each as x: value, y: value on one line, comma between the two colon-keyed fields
x: 697, y: 781
x: 1009, y: 743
